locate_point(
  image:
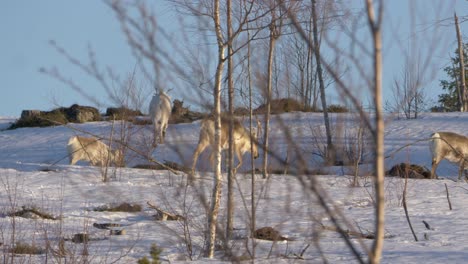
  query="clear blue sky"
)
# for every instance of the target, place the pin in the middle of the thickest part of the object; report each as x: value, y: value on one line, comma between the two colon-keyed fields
x: 26, y: 27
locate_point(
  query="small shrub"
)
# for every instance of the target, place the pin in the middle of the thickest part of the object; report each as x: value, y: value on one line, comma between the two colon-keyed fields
x: 144, y: 260
x: 438, y: 109
x: 26, y: 249
x: 337, y: 109
x: 155, y: 253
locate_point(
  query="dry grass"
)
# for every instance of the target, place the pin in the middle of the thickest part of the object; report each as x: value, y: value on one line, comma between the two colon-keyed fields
x: 26, y: 249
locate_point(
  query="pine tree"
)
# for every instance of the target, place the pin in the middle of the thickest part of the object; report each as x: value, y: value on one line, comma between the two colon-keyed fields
x: 449, y: 100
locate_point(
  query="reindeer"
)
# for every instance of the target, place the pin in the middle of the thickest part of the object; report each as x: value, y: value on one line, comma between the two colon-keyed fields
x: 92, y: 150
x: 160, y: 110
x: 450, y: 146
x: 242, y: 140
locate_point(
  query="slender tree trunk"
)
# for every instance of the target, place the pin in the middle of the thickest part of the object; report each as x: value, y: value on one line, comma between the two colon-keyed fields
x: 271, y: 53
x: 457, y: 88
x: 314, y: 91
x: 464, y: 93
x: 252, y: 163
x: 309, y: 74
x: 375, y: 26
x: 230, y: 198
x: 416, y: 105
x: 216, y: 194
x: 331, y: 155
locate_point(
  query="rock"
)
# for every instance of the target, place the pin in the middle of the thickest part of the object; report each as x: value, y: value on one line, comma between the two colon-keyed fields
x: 106, y: 225
x: 178, y: 109
x: 180, y: 114
x: 29, y: 113
x: 80, y: 238
x: 81, y: 114
x: 120, y: 232
x: 119, y: 113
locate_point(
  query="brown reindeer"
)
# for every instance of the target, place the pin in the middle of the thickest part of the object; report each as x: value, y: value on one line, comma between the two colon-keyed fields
x: 450, y: 146
x: 242, y: 140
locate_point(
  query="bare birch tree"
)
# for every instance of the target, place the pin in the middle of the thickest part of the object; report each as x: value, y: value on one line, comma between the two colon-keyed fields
x: 216, y: 193
x: 462, y: 83
x: 375, y: 25
x: 230, y: 39
x: 408, y: 91
x: 330, y: 153
x: 230, y: 72
x: 274, y: 33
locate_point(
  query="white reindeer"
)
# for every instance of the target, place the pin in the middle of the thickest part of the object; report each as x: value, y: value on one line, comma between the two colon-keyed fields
x: 242, y: 140
x: 92, y: 150
x: 160, y: 110
x: 450, y: 146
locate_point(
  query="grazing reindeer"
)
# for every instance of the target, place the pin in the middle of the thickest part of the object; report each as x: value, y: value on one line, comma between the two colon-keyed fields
x: 92, y: 150
x: 242, y: 140
x: 160, y: 110
x: 449, y: 146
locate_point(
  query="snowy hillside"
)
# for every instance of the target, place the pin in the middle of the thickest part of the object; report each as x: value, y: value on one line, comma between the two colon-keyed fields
x: 34, y: 173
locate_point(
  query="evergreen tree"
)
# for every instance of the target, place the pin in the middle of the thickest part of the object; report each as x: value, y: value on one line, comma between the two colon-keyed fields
x: 449, y: 99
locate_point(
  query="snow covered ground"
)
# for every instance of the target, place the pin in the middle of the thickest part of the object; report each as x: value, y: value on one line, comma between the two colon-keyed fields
x: 34, y: 172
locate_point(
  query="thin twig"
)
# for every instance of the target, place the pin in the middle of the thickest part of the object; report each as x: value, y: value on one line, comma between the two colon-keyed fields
x: 406, y: 209
x: 448, y: 197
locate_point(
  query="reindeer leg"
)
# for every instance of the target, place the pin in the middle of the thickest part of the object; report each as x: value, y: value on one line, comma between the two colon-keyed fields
x: 155, y: 135
x: 461, y: 169
x: 239, y: 157
x: 73, y: 161
x: 200, y: 148
x: 163, y: 134
x: 435, y: 163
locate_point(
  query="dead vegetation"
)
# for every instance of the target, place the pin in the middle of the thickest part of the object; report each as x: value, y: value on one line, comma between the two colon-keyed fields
x: 33, y: 213
x: 122, y: 207
x: 412, y: 171
x: 283, y: 105
x: 354, y: 234
x: 163, y: 215
x: 27, y: 249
